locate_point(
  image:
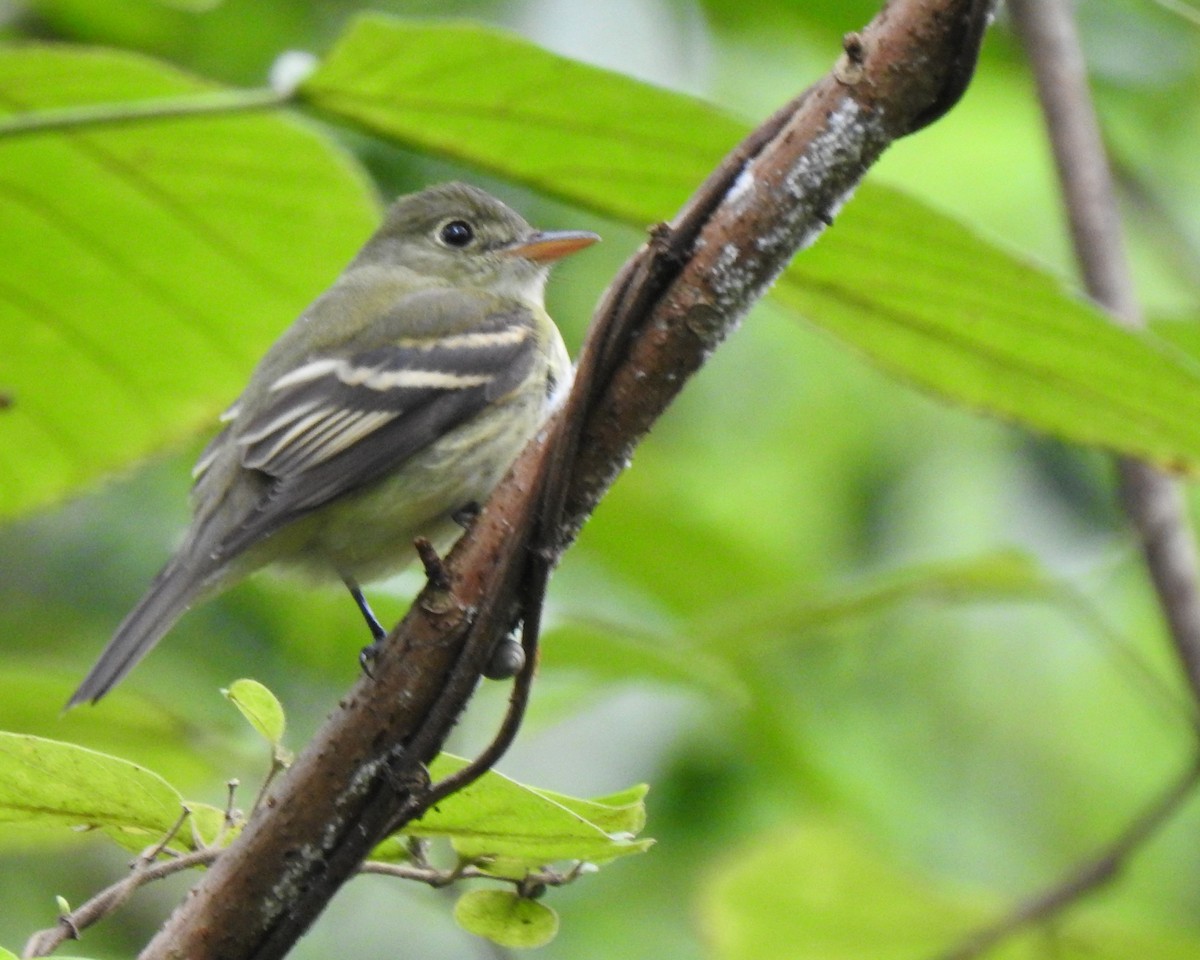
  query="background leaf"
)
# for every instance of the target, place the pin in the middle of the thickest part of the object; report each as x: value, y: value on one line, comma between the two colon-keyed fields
x: 950, y: 312
x: 46, y: 783
x: 818, y: 892
x: 596, y: 138
x: 146, y: 268
x: 260, y: 707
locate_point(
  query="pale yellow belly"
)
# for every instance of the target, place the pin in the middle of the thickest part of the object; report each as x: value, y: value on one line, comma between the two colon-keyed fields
x: 369, y: 535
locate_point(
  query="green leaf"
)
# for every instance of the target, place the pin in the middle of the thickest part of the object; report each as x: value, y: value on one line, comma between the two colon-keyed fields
x: 6, y: 955
x: 933, y: 303
x: 207, y: 823
x: 1182, y: 335
x: 917, y: 293
x: 506, y: 918
x: 523, y: 828
x: 45, y: 783
x: 818, y: 892
x: 148, y: 264
x: 623, y: 812
x: 136, y: 727
x: 592, y: 136
x: 260, y: 707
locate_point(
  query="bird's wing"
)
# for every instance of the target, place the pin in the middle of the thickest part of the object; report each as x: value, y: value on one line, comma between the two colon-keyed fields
x: 336, y: 423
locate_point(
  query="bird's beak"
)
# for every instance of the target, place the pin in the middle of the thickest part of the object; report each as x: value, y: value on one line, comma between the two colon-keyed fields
x: 546, y: 246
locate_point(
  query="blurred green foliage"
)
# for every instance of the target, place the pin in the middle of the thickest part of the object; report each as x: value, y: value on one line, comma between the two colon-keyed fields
x: 870, y: 650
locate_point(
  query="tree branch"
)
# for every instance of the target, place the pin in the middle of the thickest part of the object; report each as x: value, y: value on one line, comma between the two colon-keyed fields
x: 1153, y: 502
x: 672, y: 304
x: 1097, y: 871
x: 145, y: 870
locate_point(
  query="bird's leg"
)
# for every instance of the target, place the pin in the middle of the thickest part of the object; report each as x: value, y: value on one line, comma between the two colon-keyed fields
x: 377, y: 631
x: 367, y: 655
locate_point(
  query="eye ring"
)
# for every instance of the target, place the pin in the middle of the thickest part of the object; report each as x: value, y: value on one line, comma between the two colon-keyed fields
x: 456, y: 233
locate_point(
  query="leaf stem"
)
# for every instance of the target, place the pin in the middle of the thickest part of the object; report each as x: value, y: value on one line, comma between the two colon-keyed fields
x: 105, y: 114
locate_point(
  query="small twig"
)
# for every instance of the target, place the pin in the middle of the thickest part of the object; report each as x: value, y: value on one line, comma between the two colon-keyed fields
x: 276, y: 768
x: 231, y: 789
x: 45, y: 942
x: 468, y: 870
x: 418, y: 851
x: 145, y: 868
x: 1086, y: 877
x: 151, y: 853
x: 435, y: 569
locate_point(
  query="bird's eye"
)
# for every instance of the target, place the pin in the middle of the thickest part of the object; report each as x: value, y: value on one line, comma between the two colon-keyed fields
x: 456, y: 233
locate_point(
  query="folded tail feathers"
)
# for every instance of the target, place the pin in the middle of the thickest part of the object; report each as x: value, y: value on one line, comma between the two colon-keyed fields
x: 168, y: 597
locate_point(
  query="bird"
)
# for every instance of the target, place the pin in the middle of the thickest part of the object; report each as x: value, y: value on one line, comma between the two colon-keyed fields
x: 391, y: 406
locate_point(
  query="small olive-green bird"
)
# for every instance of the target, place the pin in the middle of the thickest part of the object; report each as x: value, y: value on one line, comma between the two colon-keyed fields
x: 396, y: 400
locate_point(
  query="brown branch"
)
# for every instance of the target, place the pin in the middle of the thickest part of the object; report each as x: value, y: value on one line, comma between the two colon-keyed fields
x: 436, y: 878
x: 1098, y: 871
x: 675, y: 301
x: 1153, y: 502
x: 145, y: 870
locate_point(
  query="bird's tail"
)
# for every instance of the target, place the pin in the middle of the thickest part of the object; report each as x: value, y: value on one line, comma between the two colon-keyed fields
x: 170, y: 594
